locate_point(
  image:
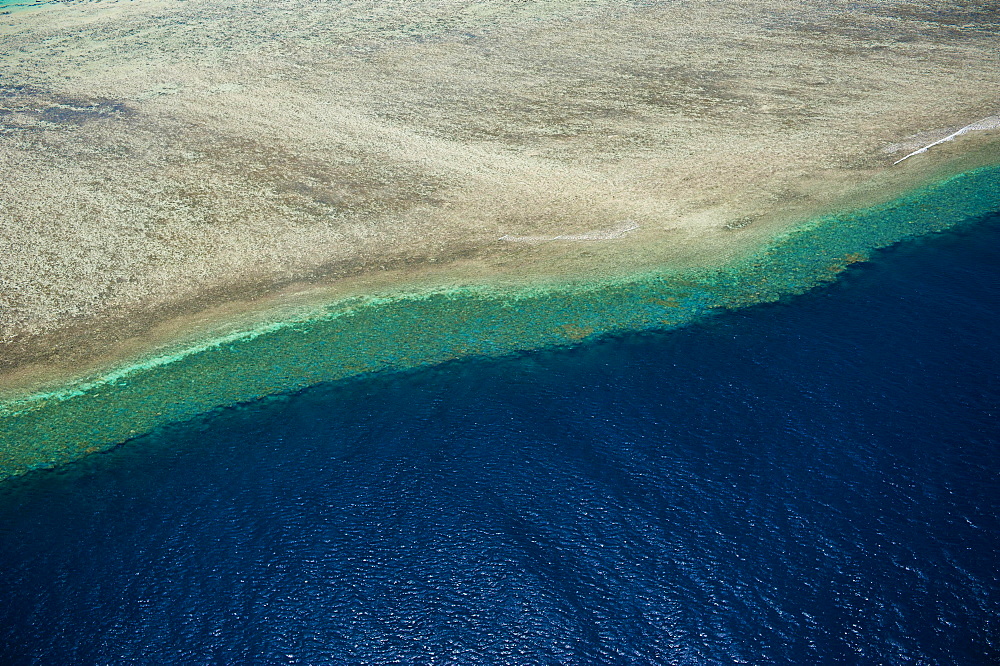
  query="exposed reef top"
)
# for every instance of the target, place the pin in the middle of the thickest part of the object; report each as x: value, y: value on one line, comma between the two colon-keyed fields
x: 170, y: 163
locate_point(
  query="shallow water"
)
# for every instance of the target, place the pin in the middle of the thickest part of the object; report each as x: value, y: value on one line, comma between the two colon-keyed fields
x: 813, y: 481
x: 408, y: 330
x: 11, y: 5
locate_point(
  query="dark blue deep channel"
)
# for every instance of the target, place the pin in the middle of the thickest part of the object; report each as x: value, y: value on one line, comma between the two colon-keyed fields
x: 810, y: 482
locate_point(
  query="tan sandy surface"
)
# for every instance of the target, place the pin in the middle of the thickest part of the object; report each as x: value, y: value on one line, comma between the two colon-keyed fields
x: 161, y: 158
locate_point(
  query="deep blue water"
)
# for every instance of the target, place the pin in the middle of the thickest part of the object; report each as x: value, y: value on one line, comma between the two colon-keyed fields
x: 810, y: 482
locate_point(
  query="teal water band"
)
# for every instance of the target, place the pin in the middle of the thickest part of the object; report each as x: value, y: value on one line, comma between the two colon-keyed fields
x: 362, y: 335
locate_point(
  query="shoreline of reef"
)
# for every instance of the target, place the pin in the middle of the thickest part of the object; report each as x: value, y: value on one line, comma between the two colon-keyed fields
x: 367, y: 334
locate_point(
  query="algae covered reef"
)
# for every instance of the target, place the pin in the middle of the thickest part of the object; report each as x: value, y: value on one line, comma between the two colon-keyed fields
x: 208, y: 202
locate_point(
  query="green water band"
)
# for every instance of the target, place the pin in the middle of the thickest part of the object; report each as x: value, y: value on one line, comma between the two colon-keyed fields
x: 366, y: 335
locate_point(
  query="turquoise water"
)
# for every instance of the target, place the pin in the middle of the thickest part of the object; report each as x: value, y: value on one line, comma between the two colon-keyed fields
x: 11, y: 5
x: 405, y: 331
x: 812, y: 481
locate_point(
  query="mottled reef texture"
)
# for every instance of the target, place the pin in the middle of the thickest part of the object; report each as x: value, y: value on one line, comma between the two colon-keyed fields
x: 160, y: 158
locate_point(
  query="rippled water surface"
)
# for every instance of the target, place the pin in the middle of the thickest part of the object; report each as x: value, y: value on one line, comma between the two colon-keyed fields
x: 809, y: 482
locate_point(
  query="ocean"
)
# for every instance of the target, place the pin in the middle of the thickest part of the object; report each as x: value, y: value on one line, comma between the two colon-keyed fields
x: 809, y: 481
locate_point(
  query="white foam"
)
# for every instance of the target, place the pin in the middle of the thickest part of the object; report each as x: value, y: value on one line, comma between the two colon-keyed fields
x: 988, y: 123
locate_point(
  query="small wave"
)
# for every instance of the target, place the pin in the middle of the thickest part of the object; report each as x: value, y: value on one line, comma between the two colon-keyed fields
x: 986, y: 124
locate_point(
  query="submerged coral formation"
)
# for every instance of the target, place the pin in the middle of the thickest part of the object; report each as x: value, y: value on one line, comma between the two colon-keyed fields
x: 208, y: 201
x: 397, y: 331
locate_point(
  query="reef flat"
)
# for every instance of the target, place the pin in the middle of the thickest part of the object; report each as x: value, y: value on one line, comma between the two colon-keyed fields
x: 407, y: 330
x: 208, y: 202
